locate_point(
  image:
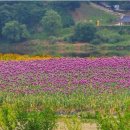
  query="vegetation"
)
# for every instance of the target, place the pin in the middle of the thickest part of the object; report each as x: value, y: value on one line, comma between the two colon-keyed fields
x: 35, y: 13
x: 15, y: 32
x: 41, y: 91
x: 87, y: 12
x: 31, y: 13
x: 20, y: 112
x: 84, y: 32
x: 78, y: 101
x: 51, y: 23
x: 17, y: 57
x: 15, y: 116
x: 108, y: 36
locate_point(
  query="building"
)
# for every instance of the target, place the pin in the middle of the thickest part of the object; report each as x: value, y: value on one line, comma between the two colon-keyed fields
x: 125, y: 20
x: 116, y: 7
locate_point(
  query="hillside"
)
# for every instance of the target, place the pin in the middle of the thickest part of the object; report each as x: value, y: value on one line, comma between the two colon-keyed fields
x: 39, y: 43
x: 92, y: 13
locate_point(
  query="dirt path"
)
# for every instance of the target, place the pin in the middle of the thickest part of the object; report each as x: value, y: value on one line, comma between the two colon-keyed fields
x: 84, y: 126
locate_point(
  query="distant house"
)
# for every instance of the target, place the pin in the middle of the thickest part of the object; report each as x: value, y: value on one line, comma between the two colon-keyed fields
x: 125, y: 20
x: 116, y: 7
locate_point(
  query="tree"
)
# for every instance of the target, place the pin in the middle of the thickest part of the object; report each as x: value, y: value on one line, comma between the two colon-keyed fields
x: 51, y: 22
x: 84, y: 32
x: 66, y: 17
x: 14, y: 31
x: 29, y: 13
x: 5, y: 16
x: 69, y: 5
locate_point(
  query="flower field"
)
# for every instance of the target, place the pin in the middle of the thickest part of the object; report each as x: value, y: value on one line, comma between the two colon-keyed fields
x: 65, y: 75
x: 82, y: 88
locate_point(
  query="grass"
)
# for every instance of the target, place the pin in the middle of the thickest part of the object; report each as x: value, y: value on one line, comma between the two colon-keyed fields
x: 76, y: 108
x: 90, y: 13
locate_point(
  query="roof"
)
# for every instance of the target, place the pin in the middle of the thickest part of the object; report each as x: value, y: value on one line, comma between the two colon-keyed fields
x: 125, y: 19
x: 105, y: 5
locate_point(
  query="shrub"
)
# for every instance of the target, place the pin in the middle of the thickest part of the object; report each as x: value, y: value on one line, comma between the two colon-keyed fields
x: 14, y: 31
x: 124, y: 30
x: 70, y: 38
x: 108, y: 36
x: 52, y: 39
x: 96, y: 41
x: 84, y: 32
x: 17, y: 117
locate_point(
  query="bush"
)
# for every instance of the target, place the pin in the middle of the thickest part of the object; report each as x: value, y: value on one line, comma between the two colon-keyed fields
x: 96, y: 41
x: 14, y: 31
x: 17, y: 117
x: 70, y: 39
x: 45, y: 120
x: 120, y: 29
x: 84, y: 32
x: 108, y: 36
x: 52, y: 39
x: 124, y: 30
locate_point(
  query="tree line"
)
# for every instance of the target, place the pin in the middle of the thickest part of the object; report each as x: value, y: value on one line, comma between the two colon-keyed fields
x: 19, y: 19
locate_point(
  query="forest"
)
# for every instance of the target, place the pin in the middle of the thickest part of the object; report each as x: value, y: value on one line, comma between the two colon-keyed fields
x: 27, y: 17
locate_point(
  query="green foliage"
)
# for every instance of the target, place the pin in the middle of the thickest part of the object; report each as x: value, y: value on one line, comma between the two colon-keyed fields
x: 120, y: 29
x: 125, y: 5
x: 33, y: 112
x: 45, y: 120
x: 17, y: 117
x: 66, y: 17
x: 29, y: 13
x: 51, y: 22
x: 117, y: 122
x: 71, y: 38
x: 14, y: 31
x: 84, y: 32
x: 64, y: 8
x: 96, y: 41
x: 73, y: 123
x: 7, y: 117
x: 5, y: 16
x: 109, y: 36
x: 124, y: 30
x: 52, y: 39
x: 48, y: 119
x: 68, y: 5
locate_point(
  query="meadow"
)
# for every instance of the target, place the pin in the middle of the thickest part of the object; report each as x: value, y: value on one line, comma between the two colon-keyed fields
x: 47, y: 93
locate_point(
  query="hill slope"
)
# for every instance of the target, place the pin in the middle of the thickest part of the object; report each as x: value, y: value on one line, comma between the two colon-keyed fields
x: 91, y: 13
